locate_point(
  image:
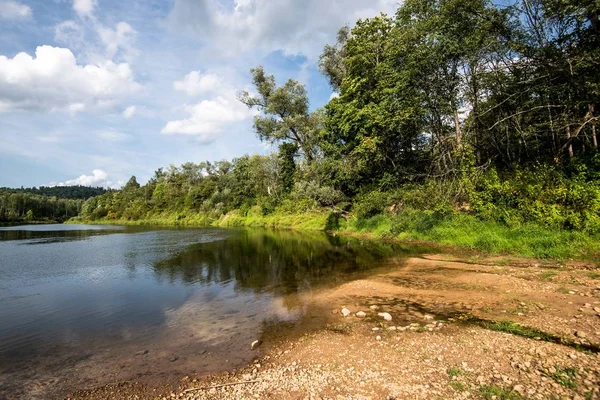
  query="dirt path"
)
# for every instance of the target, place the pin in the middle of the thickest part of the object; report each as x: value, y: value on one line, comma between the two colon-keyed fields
x: 477, y: 328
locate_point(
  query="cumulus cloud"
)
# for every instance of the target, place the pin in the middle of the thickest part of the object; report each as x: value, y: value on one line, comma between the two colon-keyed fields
x: 129, y: 112
x: 98, y: 178
x: 10, y: 9
x: 294, y: 26
x: 196, y: 83
x: 208, y: 118
x: 54, y: 80
x: 84, y: 8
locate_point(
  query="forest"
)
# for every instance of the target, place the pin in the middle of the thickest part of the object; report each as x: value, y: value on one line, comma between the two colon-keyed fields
x: 58, y: 203
x: 459, y: 121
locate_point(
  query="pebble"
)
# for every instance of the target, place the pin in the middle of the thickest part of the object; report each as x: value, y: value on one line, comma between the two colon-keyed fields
x: 361, y: 314
x: 374, y: 307
x: 580, y: 334
x: 385, y: 316
x: 378, y: 337
x: 345, y: 312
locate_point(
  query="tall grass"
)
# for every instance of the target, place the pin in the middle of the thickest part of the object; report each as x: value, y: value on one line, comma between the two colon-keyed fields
x: 467, y: 231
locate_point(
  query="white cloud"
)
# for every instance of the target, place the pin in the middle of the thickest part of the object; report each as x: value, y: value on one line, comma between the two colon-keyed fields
x: 76, y: 107
x: 120, y: 40
x: 10, y: 9
x: 129, y: 112
x: 209, y: 118
x: 84, y: 8
x: 113, y: 136
x: 196, y: 83
x: 98, y: 178
x: 70, y: 33
x: 294, y: 26
x: 53, y: 80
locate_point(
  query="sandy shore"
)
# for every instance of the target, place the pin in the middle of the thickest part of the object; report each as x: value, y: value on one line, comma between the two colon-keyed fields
x: 443, y: 341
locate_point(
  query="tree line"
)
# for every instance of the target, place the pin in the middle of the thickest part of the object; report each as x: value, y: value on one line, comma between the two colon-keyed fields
x: 447, y: 105
x: 44, y: 203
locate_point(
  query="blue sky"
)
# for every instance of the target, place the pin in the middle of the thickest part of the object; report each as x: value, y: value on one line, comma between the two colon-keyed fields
x: 94, y: 91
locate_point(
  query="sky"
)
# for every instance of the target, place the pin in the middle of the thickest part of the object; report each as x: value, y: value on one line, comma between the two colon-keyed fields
x: 94, y: 91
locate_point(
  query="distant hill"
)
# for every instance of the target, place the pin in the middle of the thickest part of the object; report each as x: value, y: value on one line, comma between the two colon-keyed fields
x: 60, y: 192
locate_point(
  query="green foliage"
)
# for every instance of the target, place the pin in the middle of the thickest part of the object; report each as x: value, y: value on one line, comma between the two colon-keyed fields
x: 491, y: 392
x: 566, y: 377
x: 25, y: 206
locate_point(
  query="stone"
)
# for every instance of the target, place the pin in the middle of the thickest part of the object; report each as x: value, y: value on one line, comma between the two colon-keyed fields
x: 345, y: 312
x: 519, y: 389
x: 385, y: 316
x: 587, y: 305
x: 374, y: 307
x: 378, y: 337
x: 428, y: 317
x: 571, y: 292
x: 361, y: 314
x: 597, y: 309
x: 174, y: 358
x: 580, y: 334
x: 255, y: 344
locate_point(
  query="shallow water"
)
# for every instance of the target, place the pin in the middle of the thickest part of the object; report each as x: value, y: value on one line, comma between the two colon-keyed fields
x: 82, y: 306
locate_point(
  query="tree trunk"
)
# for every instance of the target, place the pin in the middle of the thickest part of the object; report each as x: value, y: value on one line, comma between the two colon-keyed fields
x: 458, y: 132
x: 591, y: 109
x: 570, y: 144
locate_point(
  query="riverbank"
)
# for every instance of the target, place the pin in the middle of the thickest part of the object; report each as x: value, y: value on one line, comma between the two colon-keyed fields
x: 460, y: 328
x: 457, y: 230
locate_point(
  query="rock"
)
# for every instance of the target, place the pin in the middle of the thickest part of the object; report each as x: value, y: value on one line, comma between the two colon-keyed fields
x: 375, y: 329
x: 597, y: 309
x: 519, y: 389
x: 587, y: 305
x: 378, y: 337
x: 580, y: 334
x: 385, y: 316
x: 174, y: 358
x: 374, y: 307
x: 571, y: 292
x: 428, y: 317
x: 255, y: 344
x: 361, y: 314
x: 345, y: 312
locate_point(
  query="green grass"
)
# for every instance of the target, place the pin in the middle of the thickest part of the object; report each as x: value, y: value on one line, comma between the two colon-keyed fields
x: 466, y: 231
x: 547, y: 275
x: 566, y: 377
x: 458, y: 386
x: 455, y: 371
x: 593, y: 275
x: 490, y: 392
x: 526, y: 332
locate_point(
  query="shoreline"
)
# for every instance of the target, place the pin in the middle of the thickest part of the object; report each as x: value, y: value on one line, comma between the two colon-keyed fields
x: 426, y: 350
x: 565, y: 247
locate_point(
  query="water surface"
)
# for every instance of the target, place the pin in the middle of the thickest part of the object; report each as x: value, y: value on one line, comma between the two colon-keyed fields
x: 82, y: 306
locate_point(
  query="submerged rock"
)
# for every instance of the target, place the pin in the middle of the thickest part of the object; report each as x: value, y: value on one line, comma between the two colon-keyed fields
x: 255, y: 344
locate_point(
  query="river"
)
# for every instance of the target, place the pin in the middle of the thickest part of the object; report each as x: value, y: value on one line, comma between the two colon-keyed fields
x: 83, y: 306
